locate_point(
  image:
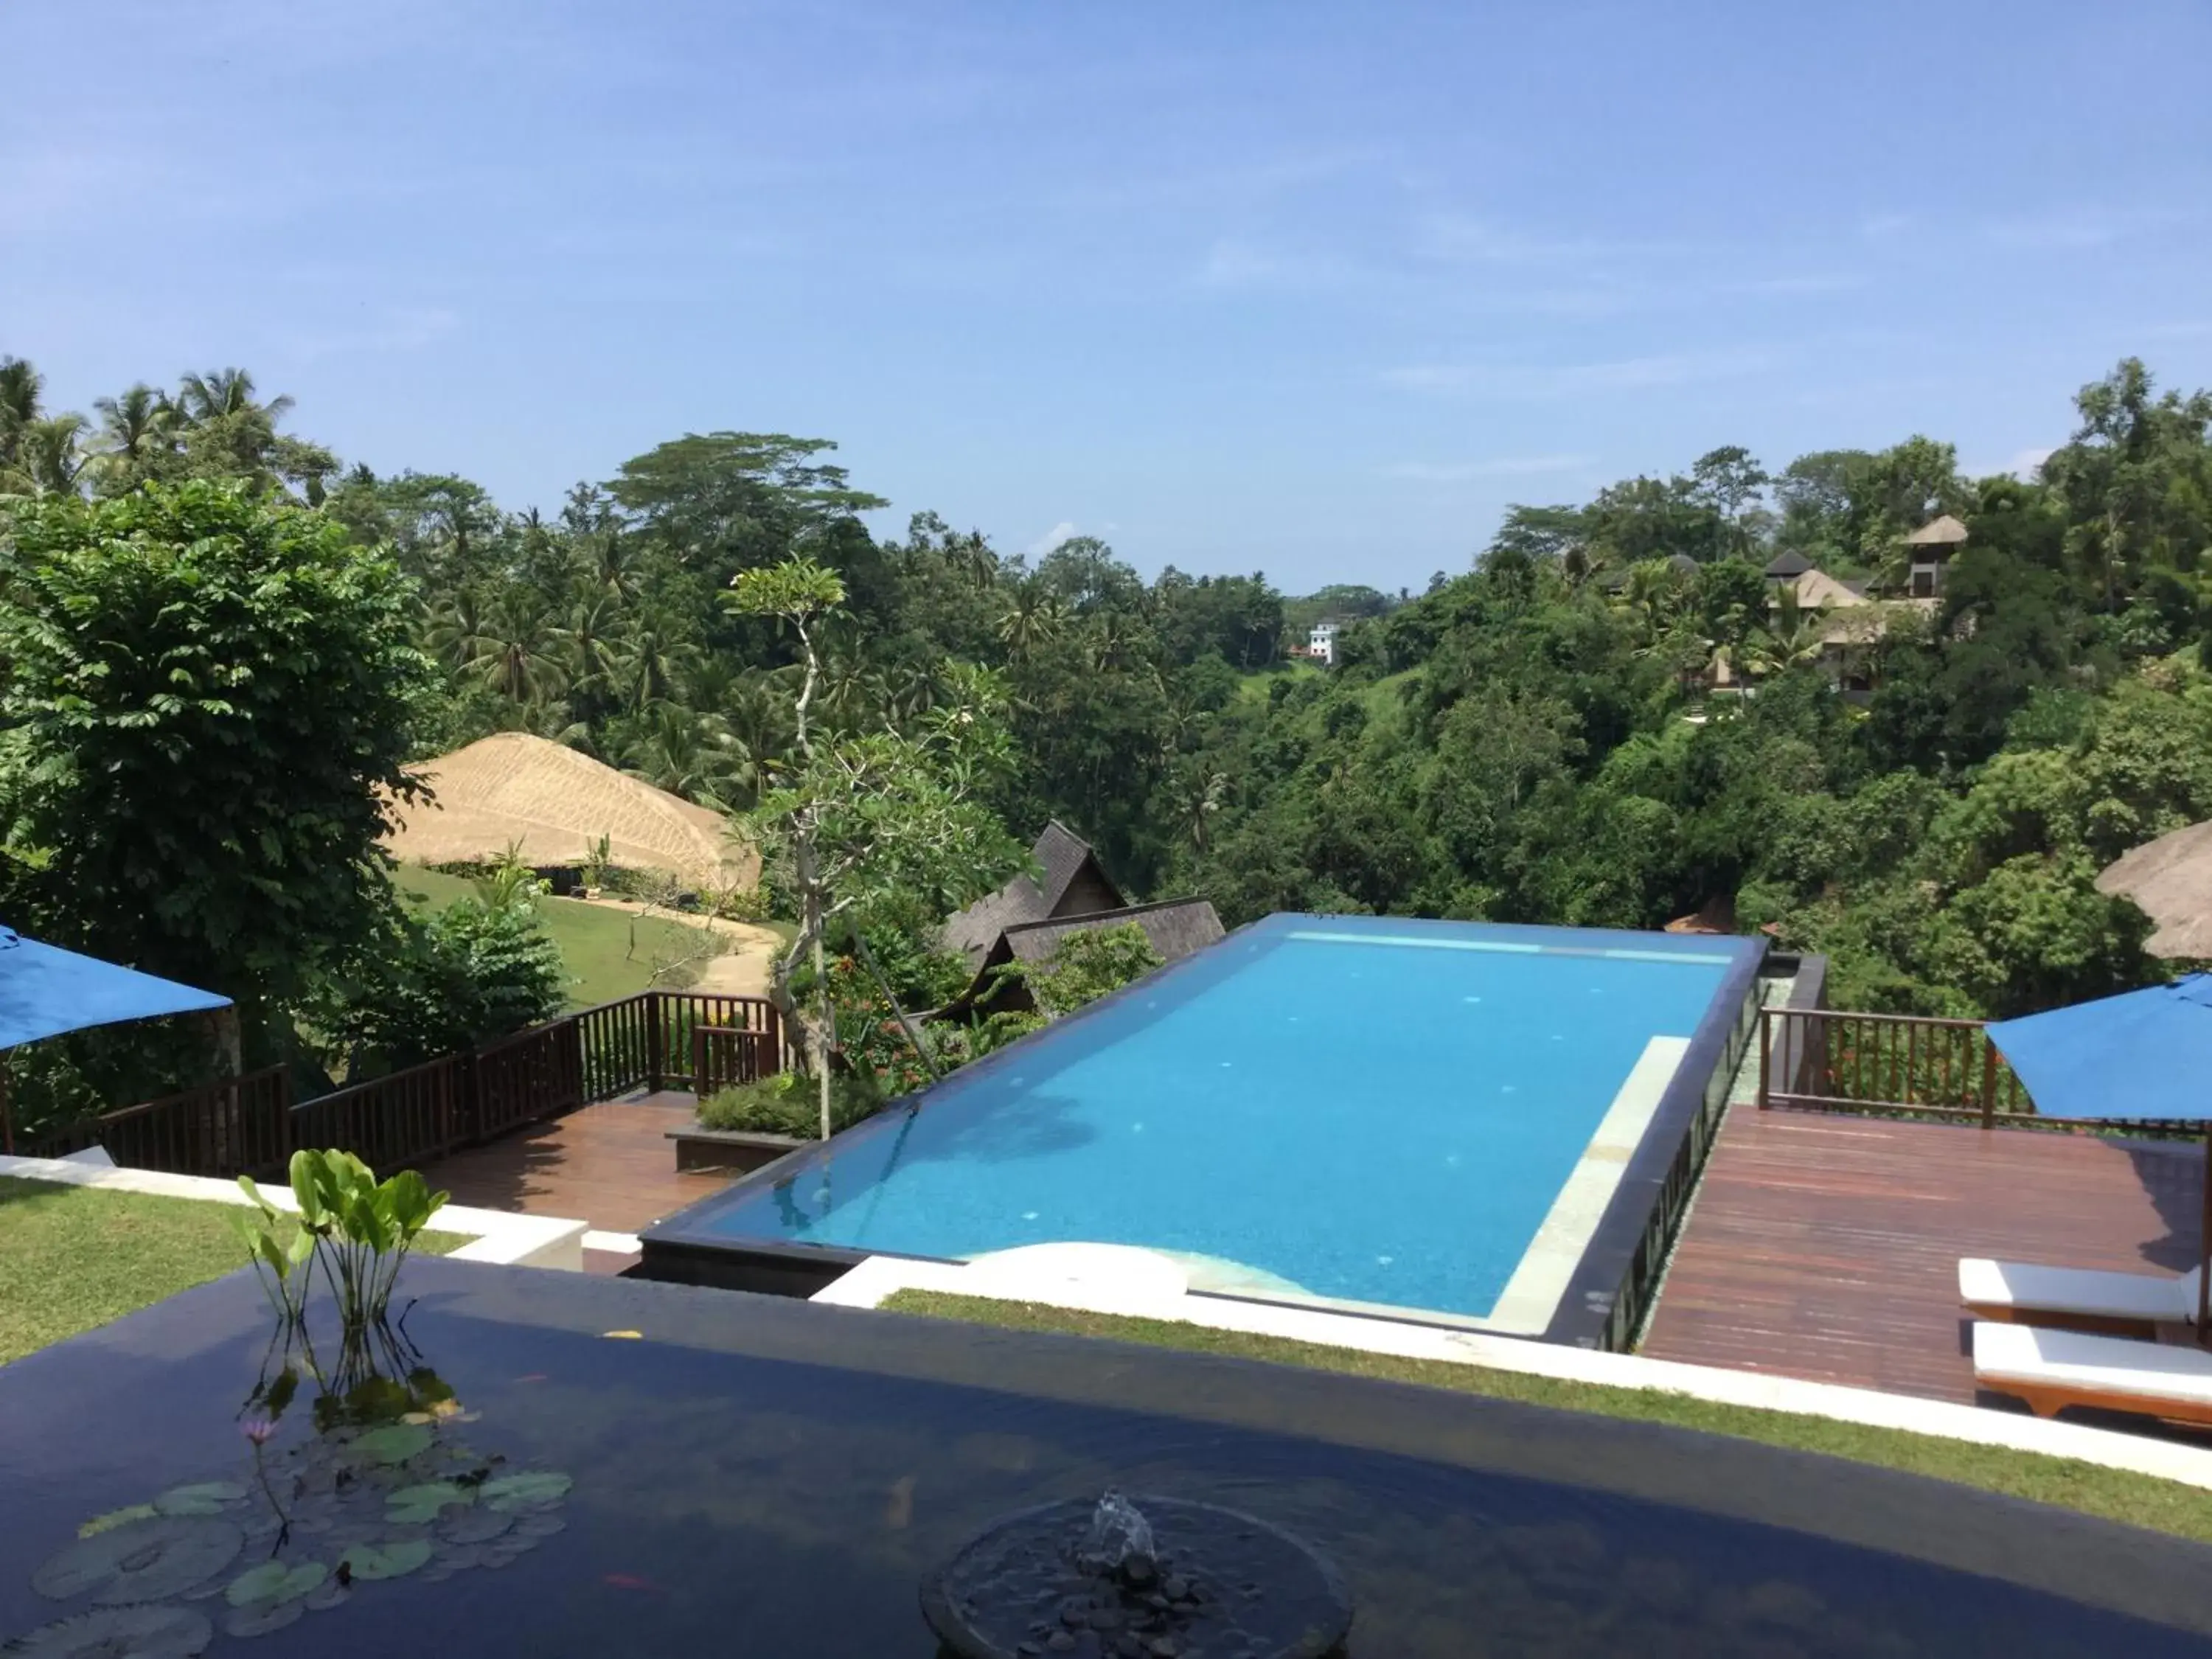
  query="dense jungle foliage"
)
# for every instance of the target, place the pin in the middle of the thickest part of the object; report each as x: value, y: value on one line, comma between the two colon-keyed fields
x: 1532, y: 739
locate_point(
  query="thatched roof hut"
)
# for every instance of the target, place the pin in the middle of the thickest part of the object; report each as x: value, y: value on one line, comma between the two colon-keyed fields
x: 1173, y: 928
x: 554, y: 803
x: 2170, y: 879
x: 1946, y: 532
x: 1073, y: 883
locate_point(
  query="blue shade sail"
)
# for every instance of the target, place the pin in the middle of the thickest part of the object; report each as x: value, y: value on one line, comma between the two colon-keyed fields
x: 2141, y: 1055
x: 45, y: 991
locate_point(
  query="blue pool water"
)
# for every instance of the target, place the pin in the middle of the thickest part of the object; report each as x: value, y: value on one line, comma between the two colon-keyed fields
x: 1361, y: 1109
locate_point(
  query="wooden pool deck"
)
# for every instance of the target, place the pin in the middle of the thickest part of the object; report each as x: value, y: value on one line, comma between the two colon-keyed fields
x: 1826, y: 1246
x: 610, y: 1165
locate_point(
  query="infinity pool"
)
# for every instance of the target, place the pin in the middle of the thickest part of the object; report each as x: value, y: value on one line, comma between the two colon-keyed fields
x: 1433, y: 1116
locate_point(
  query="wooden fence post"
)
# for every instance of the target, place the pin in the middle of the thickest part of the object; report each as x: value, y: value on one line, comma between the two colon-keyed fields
x: 1765, y: 1049
x: 656, y: 1041
x: 1989, y: 1083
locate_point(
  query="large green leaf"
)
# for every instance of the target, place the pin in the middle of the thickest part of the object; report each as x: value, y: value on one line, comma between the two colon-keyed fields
x: 412, y: 1505
x: 274, y: 1582
x: 388, y: 1560
x: 395, y: 1443
x: 206, y: 1497
x: 521, y: 1491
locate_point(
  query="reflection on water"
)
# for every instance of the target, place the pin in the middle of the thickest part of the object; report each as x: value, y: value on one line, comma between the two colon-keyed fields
x: 723, y: 1502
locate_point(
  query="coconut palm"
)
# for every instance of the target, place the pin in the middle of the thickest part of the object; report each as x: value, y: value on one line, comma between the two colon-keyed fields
x: 678, y: 750
x: 1033, y: 617
x: 649, y: 663
x: 226, y: 393
x: 517, y: 651
x: 590, y: 634
x: 47, y: 457
x: 137, y: 438
x: 758, y: 714
x: 455, y: 629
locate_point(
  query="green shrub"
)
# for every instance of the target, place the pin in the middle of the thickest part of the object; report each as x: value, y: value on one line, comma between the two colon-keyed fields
x: 788, y: 1105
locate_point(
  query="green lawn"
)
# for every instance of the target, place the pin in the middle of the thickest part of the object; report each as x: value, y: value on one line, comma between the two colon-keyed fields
x: 72, y: 1258
x: 2139, y: 1500
x: 611, y: 953
x: 1253, y: 688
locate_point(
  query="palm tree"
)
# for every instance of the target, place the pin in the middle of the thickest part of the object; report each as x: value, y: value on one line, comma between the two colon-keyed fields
x: 648, y: 664
x: 1032, y: 618
x: 47, y: 457
x: 517, y: 651
x: 137, y: 434
x: 20, y: 386
x: 684, y: 753
x: 590, y: 638
x: 225, y: 392
x: 454, y: 630
x: 757, y: 715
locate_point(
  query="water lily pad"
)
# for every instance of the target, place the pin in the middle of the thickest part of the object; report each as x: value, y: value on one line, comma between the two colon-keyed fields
x: 208, y: 1497
x: 114, y: 1518
x: 538, y: 1525
x: 526, y: 1492
x: 141, y: 1560
x: 473, y: 1525
x: 395, y: 1443
x: 139, y: 1632
x: 412, y: 1505
x: 389, y: 1560
x: 262, y: 1617
x: 273, y: 1581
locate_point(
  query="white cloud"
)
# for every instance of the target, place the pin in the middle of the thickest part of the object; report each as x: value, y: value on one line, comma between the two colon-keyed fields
x: 1502, y: 466
x: 1579, y: 380
x: 2077, y: 228
x: 1051, y: 538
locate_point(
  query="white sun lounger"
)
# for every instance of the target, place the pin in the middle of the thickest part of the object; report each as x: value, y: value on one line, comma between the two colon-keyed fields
x: 2085, y: 1298
x: 2052, y: 1369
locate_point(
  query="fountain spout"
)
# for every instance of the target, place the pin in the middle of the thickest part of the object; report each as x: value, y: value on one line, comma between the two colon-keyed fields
x: 1119, y: 1533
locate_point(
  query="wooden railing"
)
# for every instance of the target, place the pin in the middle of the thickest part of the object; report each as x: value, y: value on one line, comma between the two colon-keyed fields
x: 722, y: 1055
x: 250, y: 1126
x: 1825, y: 1060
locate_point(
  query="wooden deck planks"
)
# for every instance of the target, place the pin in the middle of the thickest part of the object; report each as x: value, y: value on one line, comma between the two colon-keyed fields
x: 1826, y: 1246
x: 610, y: 1165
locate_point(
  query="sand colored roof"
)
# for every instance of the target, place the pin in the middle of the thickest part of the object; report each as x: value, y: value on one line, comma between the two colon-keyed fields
x: 557, y: 802
x: 1817, y: 590
x: 1946, y: 532
x: 2170, y: 879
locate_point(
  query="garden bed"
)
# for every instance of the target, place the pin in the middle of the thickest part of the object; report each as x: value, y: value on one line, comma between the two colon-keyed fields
x: 742, y: 1151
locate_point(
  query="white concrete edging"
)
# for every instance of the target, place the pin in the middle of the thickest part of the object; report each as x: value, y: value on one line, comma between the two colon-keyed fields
x: 869, y: 1283
x: 512, y: 1241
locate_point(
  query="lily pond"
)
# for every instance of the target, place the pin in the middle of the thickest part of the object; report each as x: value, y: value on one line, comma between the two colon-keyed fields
x: 546, y: 1463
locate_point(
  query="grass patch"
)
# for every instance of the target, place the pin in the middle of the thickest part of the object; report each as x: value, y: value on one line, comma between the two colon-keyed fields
x: 2138, y: 1500
x: 609, y: 953
x: 1253, y: 688
x: 72, y: 1258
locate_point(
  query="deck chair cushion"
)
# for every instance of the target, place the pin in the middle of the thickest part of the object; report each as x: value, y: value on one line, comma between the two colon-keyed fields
x: 2112, y: 1371
x: 2028, y: 1287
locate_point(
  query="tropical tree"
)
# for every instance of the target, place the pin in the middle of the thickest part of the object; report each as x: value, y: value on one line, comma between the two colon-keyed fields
x: 210, y: 701
x: 883, y: 818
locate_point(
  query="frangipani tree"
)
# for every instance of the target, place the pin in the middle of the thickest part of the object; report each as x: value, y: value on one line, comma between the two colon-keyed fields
x: 863, y: 818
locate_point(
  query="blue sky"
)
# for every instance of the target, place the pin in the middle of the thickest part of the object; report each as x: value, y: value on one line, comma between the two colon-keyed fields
x: 1315, y: 289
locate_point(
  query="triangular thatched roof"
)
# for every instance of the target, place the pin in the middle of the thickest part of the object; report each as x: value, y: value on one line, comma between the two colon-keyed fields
x: 1946, y: 532
x: 1786, y: 564
x: 1175, y: 928
x: 1072, y: 880
x: 2170, y: 879
x: 554, y: 803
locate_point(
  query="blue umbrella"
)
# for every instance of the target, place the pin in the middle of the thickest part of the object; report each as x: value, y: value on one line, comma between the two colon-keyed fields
x: 45, y: 991
x: 2144, y: 1055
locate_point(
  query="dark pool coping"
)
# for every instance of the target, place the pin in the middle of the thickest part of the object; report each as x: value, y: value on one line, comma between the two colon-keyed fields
x: 1619, y: 1263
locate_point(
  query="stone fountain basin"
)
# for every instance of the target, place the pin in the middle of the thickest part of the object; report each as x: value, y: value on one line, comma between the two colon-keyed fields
x: 1222, y: 1584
